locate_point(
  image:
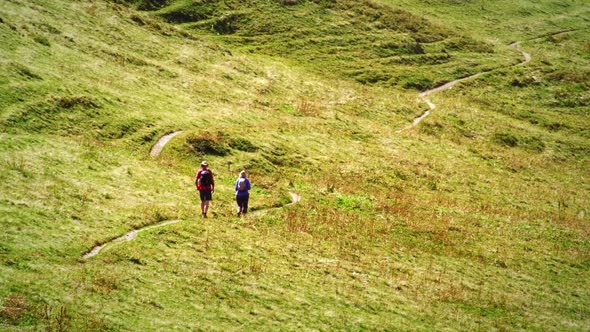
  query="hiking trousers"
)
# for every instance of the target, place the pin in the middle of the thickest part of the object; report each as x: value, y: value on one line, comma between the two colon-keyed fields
x: 242, y: 201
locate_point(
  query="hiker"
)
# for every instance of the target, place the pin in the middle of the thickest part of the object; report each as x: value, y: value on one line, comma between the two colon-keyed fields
x: 242, y: 195
x: 206, y: 186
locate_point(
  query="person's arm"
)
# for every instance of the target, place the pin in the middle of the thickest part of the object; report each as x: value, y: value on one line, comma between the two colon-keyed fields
x: 197, y: 179
x: 248, y: 184
x: 212, y: 182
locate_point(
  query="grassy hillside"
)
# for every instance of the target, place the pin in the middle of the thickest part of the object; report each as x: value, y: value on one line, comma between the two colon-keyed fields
x: 365, y: 40
x: 476, y: 219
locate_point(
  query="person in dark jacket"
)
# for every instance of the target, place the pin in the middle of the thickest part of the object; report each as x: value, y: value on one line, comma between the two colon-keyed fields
x: 242, y: 188
x: 206, y: 186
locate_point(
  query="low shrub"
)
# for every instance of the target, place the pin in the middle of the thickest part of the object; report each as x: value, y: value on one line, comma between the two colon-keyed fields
x: 433, y: 129
x: 41, y: 40
x: 227, y: 24
x: 505, y: 139
x: 420, y: 83
x: 533, y: 143
x: 242, y: 144
x: 207, y: 144
x: 510, y: 139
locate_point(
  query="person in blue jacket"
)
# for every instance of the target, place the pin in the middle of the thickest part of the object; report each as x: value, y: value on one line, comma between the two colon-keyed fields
x: 242, y: 195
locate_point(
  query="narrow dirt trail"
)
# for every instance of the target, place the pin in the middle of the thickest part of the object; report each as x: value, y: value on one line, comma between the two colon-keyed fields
x: 156, y: 149
x: 294, y: 199
x: 431, y: 106
x: 126, y: 237
x: 527, y: 58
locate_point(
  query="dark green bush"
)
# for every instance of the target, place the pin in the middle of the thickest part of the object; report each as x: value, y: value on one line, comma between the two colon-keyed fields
x: 191, y: 12
x: 420, y: 59
x: 73, y: 101
x: 242, y: 144
x: 433, y: 129
x: 207, y: 144
x: 371, y: 76
x: 123, y: 127
x: 145, y: 4
x: 25, y: 71
x: 420, y: 83
x: 510, y: 139
x: 505, y: 139
x: 152, y: 4
x: 533, y: 143
x: 227, y: 24
x: 41, y: 40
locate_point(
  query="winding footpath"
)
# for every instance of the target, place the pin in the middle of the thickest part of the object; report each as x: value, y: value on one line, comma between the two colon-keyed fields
x: 127, y: 237
x: 431, y: 106
x: 527, y: 58
x: 294, y: 199
x: 155, y: 151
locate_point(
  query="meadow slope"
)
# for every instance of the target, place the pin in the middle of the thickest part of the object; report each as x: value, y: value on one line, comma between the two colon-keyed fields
x: 475, y: 219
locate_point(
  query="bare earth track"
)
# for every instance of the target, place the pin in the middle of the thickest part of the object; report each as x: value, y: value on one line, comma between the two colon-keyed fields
x: 431, y: 106
x: 127, y: 237
x: 157, y: 148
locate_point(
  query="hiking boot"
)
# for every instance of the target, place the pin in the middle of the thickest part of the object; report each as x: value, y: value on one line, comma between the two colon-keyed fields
x: 204, y: 215
x: 239, y: 214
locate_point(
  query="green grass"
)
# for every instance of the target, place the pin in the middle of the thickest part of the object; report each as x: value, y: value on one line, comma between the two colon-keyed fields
x: 367, y: 41
x: 476, y: 219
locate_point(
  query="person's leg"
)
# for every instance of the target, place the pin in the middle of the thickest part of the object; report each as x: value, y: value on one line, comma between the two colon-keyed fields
x: 245, y: 204
x: 239, y: 203
x: 209, y: 199
x: 205, y: 207
x: 201, y: 196
x: 205, y: 199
